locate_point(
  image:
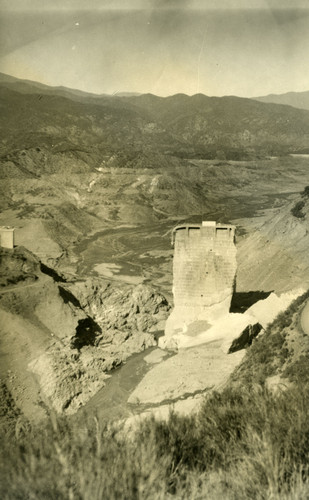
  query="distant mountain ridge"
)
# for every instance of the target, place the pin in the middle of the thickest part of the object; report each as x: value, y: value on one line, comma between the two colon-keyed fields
x: 296, y: 99
x: 30, y: 87
x: 195, y: 126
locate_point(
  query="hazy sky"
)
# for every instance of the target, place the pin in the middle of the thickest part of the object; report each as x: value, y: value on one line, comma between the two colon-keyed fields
x: 239, y: 47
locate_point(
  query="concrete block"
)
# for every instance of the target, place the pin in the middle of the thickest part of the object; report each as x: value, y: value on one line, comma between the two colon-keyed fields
x: 6, y: 237
x: 204, y: 270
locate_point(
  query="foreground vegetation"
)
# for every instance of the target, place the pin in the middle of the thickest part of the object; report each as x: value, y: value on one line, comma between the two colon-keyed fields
x: 244, y: 443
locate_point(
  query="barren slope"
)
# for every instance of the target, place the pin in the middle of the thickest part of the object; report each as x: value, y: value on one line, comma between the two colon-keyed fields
x: 56, y: 347
x: 274, y: 253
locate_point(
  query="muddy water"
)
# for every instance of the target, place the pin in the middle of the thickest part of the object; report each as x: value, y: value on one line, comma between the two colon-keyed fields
x: 110, y: 402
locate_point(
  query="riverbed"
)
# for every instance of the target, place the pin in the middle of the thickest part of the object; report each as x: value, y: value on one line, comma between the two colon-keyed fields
x: 111, y: 402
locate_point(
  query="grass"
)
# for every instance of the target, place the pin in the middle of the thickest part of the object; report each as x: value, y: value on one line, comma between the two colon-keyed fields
x: 9, y: 413
x: 299, y: 370
x: 245, y: 442
x: 270, y: 353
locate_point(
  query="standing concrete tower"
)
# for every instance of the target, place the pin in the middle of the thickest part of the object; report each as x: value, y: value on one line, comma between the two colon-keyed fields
x: 204, y: 270
x: 6, y: 237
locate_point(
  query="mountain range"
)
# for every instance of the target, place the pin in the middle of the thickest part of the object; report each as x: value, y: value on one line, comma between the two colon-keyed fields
x: 184, y: 126
x: 296, y: 99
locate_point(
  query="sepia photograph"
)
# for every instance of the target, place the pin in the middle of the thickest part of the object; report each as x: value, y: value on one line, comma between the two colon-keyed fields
x: 154, y: 249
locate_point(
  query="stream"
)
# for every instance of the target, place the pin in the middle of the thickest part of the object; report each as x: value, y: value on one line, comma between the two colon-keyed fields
x: 110, y: 402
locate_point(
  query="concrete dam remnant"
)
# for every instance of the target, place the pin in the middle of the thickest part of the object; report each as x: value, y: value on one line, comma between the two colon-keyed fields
x: 204, y: 270
x: 6, y: 237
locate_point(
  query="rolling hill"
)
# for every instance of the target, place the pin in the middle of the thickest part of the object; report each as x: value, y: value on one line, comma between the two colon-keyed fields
x: 296, y: 99
x: 180, y: 125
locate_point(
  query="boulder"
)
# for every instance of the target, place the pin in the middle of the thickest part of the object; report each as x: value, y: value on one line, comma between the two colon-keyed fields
x: 246, y: 337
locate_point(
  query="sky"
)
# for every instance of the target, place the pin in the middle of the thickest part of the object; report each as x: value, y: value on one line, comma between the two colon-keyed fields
x: 232, y: 47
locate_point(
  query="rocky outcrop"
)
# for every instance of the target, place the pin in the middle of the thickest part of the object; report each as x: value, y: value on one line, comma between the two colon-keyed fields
x: 117, y: 325
x: 68, y: 377
x: 246, y: 337
x: 18, y: 265
x: 69, y: 341
x: 121, y: 308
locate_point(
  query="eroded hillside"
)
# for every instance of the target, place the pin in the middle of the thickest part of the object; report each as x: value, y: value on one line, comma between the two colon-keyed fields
x: 273, y: 256
x: 59, y: 340
x: 74, y: 164
x: 93, y: 187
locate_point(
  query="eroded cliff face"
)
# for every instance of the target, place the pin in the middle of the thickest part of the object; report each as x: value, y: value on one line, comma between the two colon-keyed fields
x: 119, y: 307
x: 204, y: 270
x: 273, y: 254
x: 60, y: 340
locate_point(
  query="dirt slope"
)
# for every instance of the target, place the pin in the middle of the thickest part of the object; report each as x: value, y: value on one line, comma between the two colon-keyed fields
x: 57, y: 347
x: 274, y: 253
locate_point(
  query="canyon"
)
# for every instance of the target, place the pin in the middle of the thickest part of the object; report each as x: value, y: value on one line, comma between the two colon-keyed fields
x: 94, y: 189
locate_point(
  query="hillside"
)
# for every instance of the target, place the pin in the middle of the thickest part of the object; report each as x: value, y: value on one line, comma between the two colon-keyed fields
x: 296, y: 99
x: 75, y: 170
x: 197, y: 126
x: 280, y: 355
x: 226, y: 124
x: 31, y: 87
x: 273, y: 256
x: 59, y: 339
x: 249, y: 440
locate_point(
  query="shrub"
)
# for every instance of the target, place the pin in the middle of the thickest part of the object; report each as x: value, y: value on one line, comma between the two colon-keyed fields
x: 264, y: 358
x: 298, y: 371
x: 244, y: 443
x: 269, y: 352
x: 297, y: 210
